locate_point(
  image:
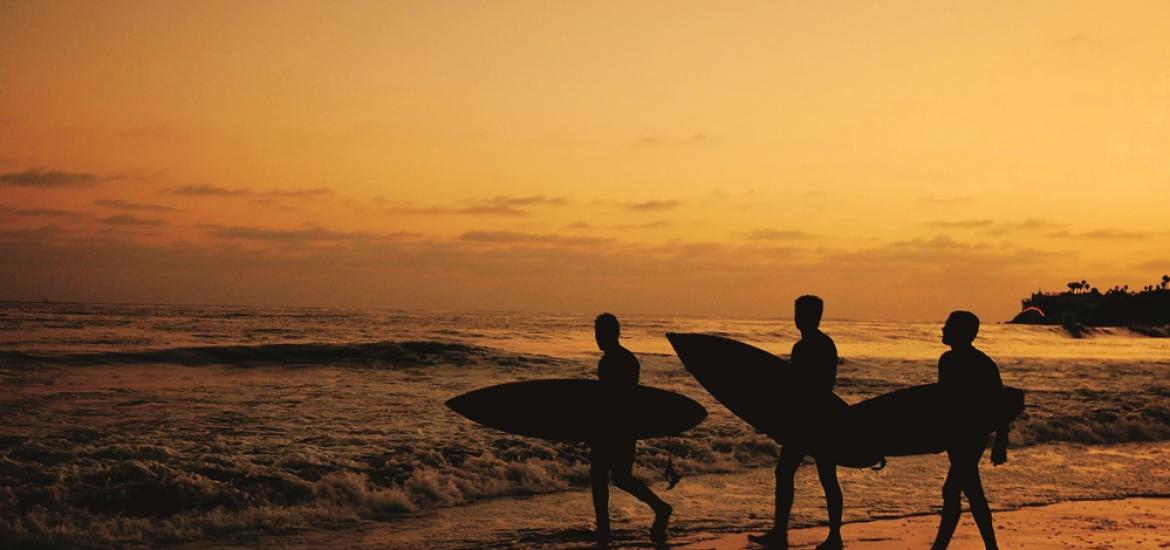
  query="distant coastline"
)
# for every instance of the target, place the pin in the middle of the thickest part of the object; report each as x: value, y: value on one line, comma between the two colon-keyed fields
x: 1083, y: 306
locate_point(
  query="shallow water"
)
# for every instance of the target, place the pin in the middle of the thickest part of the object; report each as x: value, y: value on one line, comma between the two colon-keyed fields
x: 141, y: 425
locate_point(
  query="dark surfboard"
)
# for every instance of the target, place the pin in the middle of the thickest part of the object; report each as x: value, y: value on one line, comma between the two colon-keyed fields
x: 925, y: 419
x: 764, y: 391
x: 579, y: 410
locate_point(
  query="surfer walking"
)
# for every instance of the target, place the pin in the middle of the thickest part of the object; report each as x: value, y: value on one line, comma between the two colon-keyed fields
x: 972, y: 381
x: 614, y: 458
x: 814, y: 358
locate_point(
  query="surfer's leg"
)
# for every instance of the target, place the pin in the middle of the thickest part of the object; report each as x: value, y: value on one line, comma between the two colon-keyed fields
x: 834, y: 501
x: 786, y: 466
x: 599, y: 481
x: 623, y: 477
x: 634, y: 486
x: 952, y: 505
x: 980, y: 509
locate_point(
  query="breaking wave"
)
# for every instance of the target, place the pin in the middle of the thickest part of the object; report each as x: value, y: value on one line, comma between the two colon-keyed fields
x: 116, y: 494
x: 372, y: 354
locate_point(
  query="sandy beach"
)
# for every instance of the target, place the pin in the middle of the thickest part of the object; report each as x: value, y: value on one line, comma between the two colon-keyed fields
x: 1126, y: 523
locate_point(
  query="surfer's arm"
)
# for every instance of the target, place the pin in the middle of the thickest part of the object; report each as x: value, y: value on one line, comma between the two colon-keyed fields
x: 999, y: 448
x: 943, y: 371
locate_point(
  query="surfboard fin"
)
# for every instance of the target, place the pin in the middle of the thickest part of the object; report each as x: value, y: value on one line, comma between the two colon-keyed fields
x: 672, y: 477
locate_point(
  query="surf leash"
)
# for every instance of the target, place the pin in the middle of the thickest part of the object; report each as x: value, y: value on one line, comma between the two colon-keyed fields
x: 671, y: 475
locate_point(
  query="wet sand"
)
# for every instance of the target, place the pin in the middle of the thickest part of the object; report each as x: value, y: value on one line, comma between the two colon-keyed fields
x: 1126, y: 523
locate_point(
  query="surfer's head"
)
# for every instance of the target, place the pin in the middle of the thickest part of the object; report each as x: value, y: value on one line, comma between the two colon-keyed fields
x: 808, y: 312
x: 606, y: 329
x: 961, y: 328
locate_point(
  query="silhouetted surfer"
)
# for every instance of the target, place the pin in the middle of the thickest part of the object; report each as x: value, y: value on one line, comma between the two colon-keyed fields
x: 814, y: 358
x: 973, y: 381
x: 615, y: 457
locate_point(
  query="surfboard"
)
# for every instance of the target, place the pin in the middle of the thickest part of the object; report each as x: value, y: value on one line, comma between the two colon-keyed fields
x: 764, y: 391
x: 925, y: 419
x: 579, y: 410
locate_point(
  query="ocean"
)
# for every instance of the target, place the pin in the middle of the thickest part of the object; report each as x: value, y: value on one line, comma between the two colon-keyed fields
x: 156, y: 425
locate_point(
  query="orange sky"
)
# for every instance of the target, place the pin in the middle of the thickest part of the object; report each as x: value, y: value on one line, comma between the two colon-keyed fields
x: 901, y: 159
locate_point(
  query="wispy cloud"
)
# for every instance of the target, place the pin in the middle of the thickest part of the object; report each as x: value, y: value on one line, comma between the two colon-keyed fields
x: 659, y: 140
x: 133, y: 221
x: 491, y: 210
x: 1030, y: 224
x: 303, y: 235
x: 134, y: 206
x: 38, y: 212
x: 500, y: 205
x: 653, y: 205
x: 655, y: 224
x: 297, y: 193
x: 959, y: 224
x: 530, y: 200
x: 1079, y: 43
x: 1161, y: 264
x: 993, y: 227
x: 34, y: 177
x: 37, y: 235
x: 529, y: 238
x: 205, y: 190
x: 1100, y: 234
x: 776, y: 234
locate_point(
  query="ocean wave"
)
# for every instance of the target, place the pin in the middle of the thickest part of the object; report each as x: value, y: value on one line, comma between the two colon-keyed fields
x: 99, y: 493
x: 1103, y: 426
x: 55, y: 492
x: 372, y: 354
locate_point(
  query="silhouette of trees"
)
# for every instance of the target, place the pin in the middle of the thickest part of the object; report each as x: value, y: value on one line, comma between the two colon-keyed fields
x: 1147, y: 305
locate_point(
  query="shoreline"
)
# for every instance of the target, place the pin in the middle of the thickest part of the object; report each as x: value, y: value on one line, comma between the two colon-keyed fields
x: 1130, y: 522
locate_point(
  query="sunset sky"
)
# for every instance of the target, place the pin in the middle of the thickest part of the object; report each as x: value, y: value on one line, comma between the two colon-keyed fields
x: 900, y: 159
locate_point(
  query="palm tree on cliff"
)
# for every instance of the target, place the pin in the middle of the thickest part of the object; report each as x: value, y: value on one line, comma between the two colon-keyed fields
x: 1165, y: 281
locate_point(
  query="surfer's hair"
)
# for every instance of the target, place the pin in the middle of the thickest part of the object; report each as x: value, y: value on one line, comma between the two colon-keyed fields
x: 965, y: 323
x: 811, y: 305
x: 607, y: 323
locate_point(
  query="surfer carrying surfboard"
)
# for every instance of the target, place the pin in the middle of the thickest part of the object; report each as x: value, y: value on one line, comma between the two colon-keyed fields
x: 973, y: 382
x: 814, y: 358
x: 614, y: 458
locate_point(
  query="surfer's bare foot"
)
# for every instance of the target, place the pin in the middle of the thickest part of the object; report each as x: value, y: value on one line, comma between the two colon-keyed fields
x: 832, y: 543
x: 770, y: 539
x: 661, y: 520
